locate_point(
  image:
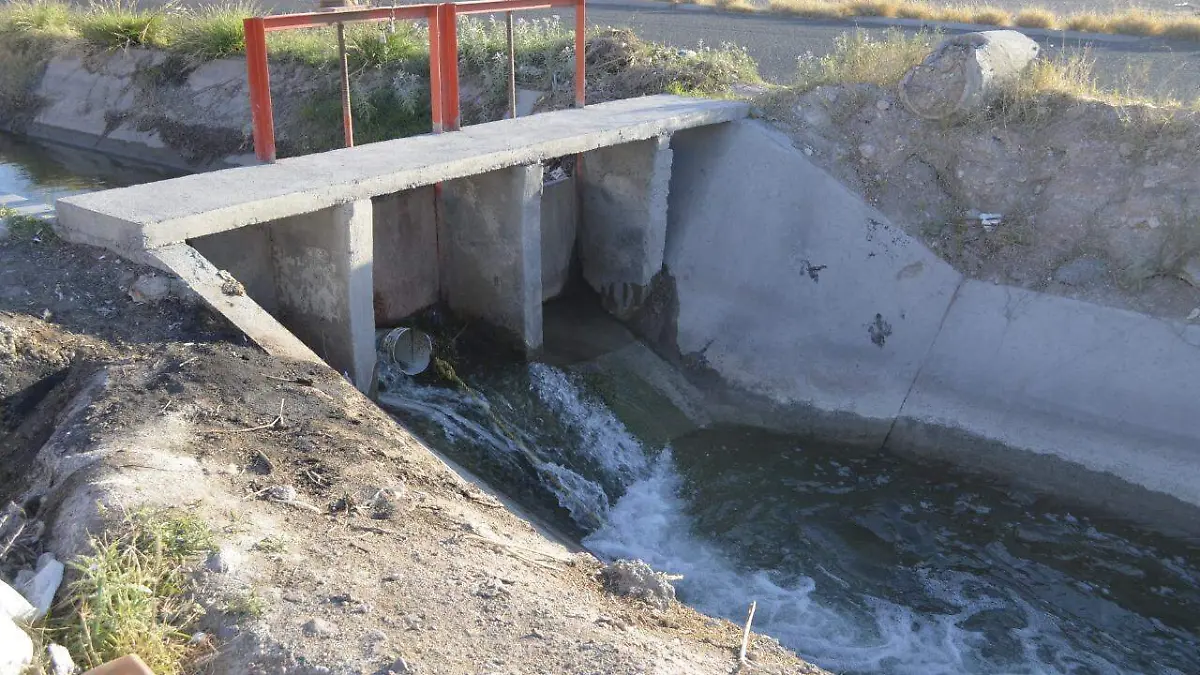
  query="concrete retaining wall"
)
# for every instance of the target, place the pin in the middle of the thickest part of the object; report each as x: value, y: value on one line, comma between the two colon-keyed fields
x: 793, y: 290
x: 134, y: 103
x: 799, y: 307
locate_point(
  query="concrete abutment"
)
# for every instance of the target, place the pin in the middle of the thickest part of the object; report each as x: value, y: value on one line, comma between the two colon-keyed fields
x: 490, y: 250
x: 324, y: 284
x: 623, y: 228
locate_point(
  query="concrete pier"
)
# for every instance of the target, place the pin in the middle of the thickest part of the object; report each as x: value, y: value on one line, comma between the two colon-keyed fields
x: 323, y: 279
x: 491, y: 250
x: 406, y: 278
x: 623, y: 228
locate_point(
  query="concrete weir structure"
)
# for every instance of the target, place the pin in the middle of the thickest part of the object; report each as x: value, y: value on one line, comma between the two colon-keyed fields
x: 329, y: 244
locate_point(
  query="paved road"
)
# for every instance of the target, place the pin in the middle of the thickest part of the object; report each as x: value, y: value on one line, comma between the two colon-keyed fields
x: 775, y: 42
x: 1146, y: 65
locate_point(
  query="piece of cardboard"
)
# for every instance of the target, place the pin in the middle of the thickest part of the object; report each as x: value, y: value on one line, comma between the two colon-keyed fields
x: 126, y: 665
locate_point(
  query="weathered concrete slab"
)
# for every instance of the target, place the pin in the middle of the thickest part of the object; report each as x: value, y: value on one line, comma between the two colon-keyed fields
x: 324, y: 285
x: 135, y: 218
x: 789, y: 287
x: 406, y: 254
x: 1111, y: 390
x: 241, y: 310
x: 491, y: 249
x: 623, y: 228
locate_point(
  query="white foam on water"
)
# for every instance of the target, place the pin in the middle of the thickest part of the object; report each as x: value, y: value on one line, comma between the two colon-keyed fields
x: 602, y: 438
x: 650, y: 523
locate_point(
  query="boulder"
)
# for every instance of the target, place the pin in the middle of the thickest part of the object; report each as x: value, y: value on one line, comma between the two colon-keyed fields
x: 965, y: 73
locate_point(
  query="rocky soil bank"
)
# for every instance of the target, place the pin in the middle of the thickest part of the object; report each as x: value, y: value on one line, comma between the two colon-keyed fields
x: 1073, y: 197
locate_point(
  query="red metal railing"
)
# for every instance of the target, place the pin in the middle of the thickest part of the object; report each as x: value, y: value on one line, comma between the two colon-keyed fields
x: 453, y: 10
x: 443, y: 57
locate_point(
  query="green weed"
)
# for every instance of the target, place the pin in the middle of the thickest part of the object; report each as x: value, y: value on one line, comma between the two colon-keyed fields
x: 212, y: 32
x: 131, y: 595
x: 117, y: 24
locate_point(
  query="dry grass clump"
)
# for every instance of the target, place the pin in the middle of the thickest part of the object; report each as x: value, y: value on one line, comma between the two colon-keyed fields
x: 621, y: 65
x: 1187, y: 28
x: 858, y: 58
x: 1137, y: 22
x: 884, y: 8
x: 1035, y: 17
x: 990, y: 16
x: 728, y: 5
x: 812, y: 9
x: 1133, y: 21
x: 1088, y: 22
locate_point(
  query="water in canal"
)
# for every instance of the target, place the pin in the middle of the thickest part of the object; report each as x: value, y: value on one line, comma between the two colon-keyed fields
x: 861, y: 563
x: 43, y: 173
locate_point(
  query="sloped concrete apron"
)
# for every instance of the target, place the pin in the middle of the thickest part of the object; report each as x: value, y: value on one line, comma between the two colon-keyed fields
x: 799, y: 307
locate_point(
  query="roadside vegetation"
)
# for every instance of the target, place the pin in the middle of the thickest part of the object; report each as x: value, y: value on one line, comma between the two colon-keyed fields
x: 1132, y: 21
x: 1069, y: 77
x: 131, y: 595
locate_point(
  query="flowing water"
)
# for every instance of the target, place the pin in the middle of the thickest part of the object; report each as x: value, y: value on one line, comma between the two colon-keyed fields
x: 861, y: 563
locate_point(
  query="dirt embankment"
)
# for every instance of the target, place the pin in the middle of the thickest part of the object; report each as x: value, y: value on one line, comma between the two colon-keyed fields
x: 1073, y: 197
x: 344, y: 545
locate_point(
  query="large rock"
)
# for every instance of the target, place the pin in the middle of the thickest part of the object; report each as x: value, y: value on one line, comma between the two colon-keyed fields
x: 966, y: 72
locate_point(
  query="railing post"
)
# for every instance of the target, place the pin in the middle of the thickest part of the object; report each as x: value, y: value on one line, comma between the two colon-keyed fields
x: 450, y: 111
x: 436, y: 95
x: 259, y: 80
x: 580, y: 52
x: 344, y: 66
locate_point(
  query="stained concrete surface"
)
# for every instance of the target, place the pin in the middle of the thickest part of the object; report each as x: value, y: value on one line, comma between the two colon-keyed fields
x: 623, y: 227
x: 1112, y: 390
x: 246, y: 254
x: 405, y: 254
x: 323, y: 264
x: 790, y: 287
x: 241, y: 310
x: 796, y: 306
x: 490, y: 239
x: 560, y: 226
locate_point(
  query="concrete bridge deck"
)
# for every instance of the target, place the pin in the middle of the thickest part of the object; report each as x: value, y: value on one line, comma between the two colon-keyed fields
x: 332, y: 243
x: 156, y: 214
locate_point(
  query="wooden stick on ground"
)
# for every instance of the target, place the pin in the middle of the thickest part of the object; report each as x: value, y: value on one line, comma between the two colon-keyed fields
x: 746, y: 633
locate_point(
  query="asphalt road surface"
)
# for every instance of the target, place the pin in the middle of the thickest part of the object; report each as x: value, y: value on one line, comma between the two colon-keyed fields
x: 1148, y: 65
x: 1139, y: 65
